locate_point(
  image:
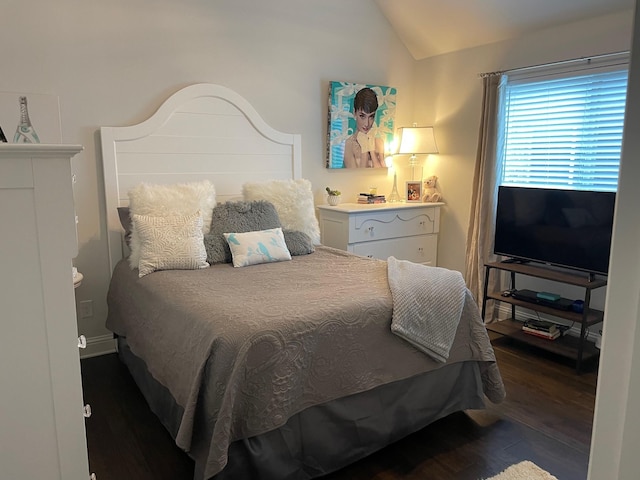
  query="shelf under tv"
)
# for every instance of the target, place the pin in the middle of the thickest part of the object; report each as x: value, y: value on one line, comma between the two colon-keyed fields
x: 566, y: 346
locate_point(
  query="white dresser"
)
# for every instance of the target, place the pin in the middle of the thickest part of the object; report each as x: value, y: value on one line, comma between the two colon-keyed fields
x: 407, y: 231
x: 42, y: 426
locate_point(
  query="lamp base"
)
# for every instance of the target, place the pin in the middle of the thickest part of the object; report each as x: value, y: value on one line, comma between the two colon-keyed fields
x: 413, y: 163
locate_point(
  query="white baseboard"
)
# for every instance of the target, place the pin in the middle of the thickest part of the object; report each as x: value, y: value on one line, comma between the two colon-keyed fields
x: 100, y: 345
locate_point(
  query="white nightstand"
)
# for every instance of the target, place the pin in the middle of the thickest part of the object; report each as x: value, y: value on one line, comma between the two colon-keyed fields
x: 407, y: 231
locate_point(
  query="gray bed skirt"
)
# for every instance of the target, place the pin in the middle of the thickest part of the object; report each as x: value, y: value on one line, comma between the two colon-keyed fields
x: 327, y: 437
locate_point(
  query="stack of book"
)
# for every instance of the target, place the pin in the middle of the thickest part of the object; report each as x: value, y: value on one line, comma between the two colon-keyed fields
x: 542, y: 329
x: 369, y: 198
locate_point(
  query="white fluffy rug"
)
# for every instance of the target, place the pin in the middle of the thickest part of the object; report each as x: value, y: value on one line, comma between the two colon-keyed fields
x: 524, y: 471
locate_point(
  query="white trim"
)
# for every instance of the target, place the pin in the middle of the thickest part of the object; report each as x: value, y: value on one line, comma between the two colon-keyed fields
x: 37, y: 150
x: 100, y: 345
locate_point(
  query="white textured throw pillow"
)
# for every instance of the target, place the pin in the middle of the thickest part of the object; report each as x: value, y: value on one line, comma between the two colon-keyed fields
x: 293, y: 200
x: 170, y: 243
x: 169, y: 200
x: 262, y: 246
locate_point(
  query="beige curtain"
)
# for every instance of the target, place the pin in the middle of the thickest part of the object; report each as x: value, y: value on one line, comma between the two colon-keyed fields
x: 482, y: 218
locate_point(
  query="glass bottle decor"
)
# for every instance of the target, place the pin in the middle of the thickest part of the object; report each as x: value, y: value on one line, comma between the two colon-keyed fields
x: 25, y: 133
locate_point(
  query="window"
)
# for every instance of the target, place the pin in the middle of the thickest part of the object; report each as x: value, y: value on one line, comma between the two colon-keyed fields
x: 563, y: 129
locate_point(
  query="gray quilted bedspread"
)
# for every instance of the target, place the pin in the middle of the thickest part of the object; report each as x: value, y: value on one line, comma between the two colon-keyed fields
x: 243, y: 349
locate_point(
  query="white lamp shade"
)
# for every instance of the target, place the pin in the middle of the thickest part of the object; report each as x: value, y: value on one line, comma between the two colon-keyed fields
x: 416, y: 141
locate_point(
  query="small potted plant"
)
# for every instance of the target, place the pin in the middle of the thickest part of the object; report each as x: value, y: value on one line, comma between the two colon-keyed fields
x: 334, y: 197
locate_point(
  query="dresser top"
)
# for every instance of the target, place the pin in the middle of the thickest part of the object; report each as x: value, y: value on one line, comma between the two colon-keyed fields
x: 15, y: 150
x: 361, y: 207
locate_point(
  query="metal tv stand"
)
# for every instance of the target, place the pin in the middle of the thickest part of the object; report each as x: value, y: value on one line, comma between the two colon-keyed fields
x: 579, y: 349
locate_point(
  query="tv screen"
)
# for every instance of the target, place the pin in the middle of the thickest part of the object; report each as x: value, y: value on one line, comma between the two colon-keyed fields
x: 567, y: 228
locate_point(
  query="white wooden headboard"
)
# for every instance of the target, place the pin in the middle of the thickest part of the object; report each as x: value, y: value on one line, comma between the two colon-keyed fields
x: 203, y: 131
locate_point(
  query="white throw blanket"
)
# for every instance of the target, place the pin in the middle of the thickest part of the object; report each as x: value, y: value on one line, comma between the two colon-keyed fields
x: 427, y: 305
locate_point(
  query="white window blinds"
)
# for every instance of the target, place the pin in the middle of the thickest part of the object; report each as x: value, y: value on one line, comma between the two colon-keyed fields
x: 564, y: 132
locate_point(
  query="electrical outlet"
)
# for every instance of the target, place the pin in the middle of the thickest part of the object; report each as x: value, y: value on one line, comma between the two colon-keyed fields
x: 86, y: 308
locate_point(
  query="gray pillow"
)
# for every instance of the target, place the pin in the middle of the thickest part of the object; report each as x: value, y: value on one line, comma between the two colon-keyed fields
x: 298, y: 243
x: 237, y: 217
x: 125, y: 221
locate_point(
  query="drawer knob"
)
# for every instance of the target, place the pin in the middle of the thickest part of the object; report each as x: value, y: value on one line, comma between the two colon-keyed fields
x: 86, y: 411
x: 370, y: 229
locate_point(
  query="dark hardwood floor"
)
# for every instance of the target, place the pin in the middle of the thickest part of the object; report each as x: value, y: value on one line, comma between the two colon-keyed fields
x: 546, y: 418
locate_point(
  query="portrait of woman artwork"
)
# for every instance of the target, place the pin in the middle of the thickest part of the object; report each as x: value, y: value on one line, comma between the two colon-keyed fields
x: 360, y: 124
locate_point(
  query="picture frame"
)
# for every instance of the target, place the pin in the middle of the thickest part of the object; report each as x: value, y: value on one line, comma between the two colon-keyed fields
x: 413, y: 191
x: 343, y: 126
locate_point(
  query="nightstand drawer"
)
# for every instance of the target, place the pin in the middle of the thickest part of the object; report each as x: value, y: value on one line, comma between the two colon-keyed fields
x: 419, y: 249
x: 406, y: 231
x: 372, y: 226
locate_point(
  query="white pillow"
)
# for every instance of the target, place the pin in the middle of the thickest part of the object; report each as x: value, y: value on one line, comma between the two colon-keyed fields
x: 293, y: 200
x: 170, y: 243
x: 169, y: 200
x: 262, y: 246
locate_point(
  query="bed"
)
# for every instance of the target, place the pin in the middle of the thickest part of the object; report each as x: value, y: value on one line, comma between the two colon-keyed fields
x: 277, y: 370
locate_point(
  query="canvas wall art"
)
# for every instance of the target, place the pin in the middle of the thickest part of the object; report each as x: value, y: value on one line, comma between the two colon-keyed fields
x: 360, y: 125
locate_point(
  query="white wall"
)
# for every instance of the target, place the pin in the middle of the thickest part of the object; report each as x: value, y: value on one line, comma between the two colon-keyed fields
x: 448, y: 95
x: 113, y: 63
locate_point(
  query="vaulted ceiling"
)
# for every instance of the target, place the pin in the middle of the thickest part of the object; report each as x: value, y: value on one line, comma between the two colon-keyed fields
x: 434, y: 27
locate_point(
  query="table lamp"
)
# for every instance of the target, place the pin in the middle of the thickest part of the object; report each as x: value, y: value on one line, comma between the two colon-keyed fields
x: 415, y: 141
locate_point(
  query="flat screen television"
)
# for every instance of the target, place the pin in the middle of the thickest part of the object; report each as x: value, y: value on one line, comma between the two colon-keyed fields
x: 566, y: 228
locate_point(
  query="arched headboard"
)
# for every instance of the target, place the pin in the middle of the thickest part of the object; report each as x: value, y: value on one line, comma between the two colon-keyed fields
x: 203, y: 131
